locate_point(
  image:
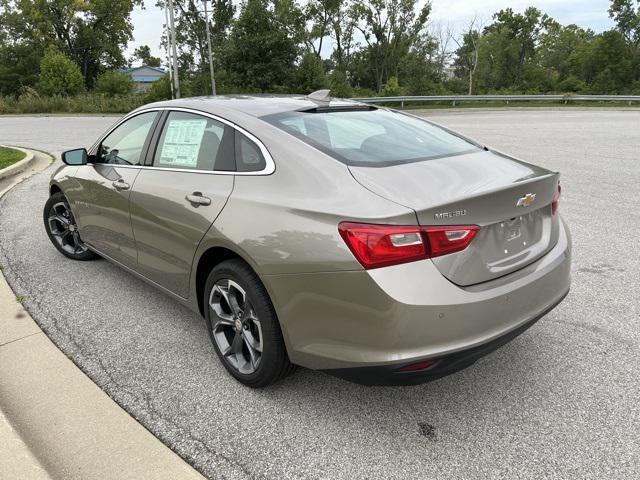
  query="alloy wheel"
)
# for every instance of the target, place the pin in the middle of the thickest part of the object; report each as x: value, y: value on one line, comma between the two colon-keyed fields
x: 64, y: 229
x: 236, y: 327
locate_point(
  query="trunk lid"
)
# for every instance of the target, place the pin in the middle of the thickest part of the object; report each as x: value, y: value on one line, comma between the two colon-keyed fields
x: 510, y: 200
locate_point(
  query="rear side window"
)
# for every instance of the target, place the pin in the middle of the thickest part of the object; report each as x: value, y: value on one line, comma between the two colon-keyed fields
x: 371, y: 137
x: 193, y: 142
x: 249, y: 158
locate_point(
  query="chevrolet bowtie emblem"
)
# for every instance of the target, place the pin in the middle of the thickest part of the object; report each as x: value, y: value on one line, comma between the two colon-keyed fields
x: 526, y: 200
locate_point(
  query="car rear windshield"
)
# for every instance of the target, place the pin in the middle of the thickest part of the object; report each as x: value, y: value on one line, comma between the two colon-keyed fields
x: 375, y: 137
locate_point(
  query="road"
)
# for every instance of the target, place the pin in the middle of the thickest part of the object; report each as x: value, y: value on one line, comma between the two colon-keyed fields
x: 561, y: 401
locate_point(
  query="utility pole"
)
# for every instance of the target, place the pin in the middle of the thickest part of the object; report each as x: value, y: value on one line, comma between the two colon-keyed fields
x: 174, y: 49
x: 206, y: 22
x: 169, y: 62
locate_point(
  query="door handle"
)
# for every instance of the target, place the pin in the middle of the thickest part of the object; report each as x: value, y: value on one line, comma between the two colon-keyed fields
x: 196, y: 199
x: 121, y: 185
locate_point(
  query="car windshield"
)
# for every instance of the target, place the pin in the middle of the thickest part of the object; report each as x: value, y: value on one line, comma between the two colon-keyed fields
x: 371, y: 137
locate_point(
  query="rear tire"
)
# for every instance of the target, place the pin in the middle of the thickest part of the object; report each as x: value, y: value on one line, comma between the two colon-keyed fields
x: 243, y: 325
x: 62, y: 229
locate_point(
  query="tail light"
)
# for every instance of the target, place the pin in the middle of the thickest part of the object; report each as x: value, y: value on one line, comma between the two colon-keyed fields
x: 556, y: 200
x: 376, y: 246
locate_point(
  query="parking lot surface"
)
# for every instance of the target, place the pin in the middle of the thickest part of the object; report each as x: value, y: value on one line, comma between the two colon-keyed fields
x: 561, y: 401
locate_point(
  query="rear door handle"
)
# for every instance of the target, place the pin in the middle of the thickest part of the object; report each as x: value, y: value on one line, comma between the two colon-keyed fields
x: 121, y: 185
x: 196, y: 199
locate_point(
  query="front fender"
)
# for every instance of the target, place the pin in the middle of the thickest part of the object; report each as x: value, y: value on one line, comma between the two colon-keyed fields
x: 62, y: 178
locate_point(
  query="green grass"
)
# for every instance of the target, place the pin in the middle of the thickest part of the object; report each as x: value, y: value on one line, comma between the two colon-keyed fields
x: 9, y: 156
x: 85, y: 103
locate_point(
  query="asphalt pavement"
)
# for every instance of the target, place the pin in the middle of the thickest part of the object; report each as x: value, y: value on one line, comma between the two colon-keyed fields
x: 560, y: 401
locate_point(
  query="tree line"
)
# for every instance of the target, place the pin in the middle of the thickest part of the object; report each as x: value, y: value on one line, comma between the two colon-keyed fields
x: 356, y: 48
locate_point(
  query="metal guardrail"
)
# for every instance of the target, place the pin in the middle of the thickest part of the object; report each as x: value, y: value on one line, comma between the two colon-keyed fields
x: 501, y: 98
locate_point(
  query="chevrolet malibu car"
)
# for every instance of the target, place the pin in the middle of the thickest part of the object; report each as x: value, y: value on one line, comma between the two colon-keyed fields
x: 335, y: 235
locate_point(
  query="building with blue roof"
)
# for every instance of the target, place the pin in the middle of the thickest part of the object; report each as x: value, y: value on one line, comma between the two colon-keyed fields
x: 144, y: 76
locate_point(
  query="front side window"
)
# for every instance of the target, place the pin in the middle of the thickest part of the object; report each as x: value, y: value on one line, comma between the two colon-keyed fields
x: 371, y: 137
x: 124, y: 145
x: 193, y: 142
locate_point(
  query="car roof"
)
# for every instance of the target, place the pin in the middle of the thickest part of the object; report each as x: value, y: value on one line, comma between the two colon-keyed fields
x: 254, y: 104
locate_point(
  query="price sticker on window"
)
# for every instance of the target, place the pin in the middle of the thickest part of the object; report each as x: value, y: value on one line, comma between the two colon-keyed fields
x: 182, y: 143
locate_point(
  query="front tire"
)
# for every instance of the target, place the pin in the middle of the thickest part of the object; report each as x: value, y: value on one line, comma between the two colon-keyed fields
x: 62, y: 229
x: 243, y: 325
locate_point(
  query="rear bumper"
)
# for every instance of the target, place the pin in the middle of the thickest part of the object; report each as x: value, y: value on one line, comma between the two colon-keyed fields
x: 390, y: 375
x: 393, y: 316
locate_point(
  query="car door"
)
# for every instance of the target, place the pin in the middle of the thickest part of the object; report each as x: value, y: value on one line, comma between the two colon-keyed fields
x: 100, y: 198
x: 177, y: 198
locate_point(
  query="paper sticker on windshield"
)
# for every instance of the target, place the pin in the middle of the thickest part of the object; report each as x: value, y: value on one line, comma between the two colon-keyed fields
x: 182, y: 143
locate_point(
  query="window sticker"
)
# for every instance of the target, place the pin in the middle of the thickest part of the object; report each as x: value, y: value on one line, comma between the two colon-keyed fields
x: 182, y: 143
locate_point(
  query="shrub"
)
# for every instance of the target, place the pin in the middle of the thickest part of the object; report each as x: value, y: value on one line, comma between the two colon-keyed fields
x: 392, y: 88
x: 59, y: 75
x: 363, y: 92
x: 160, y: 90
x: 310, y: 75
x: 84, y: 103
x: 339, y: 85
x: 572, y: 84
x: 114, y: 83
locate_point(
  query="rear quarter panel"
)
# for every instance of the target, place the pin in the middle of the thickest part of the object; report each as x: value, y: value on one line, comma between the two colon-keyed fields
x: 287, y: 222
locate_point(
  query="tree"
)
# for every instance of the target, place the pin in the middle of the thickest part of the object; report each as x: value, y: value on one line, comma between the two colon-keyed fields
x: 92, y: 33
x: 392, y: 88
x: 160, y: 90
x: 339, y: 85
x: 626, y: 14
x: 191, y: 27
x: 321, y: 14
x: 20, y: 54
x: 191, y: 39
x: 467, y: 54
x: 422, y: 67
x: 18, y: 67
x: 562, y: 52
x: 343, y: 25
x: 59, y: 75
x: 114, y: 83
x: 627, y: 18
x: 390, y: 29
x: 610, y: 64
x: 143, y: 53
x: 440, y: 36
x: 261, y: 50
x: 310, y: 75
x: 508, y: 48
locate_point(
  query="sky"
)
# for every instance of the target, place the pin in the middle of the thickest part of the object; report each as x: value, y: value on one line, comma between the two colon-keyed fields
x: 149, y: 23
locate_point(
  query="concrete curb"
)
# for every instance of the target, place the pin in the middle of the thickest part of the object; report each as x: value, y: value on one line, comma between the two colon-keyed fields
x: 54, y: 421
x: 20, y: 166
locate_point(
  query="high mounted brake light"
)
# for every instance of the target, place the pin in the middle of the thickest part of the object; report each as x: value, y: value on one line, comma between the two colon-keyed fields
x: 376, y: 246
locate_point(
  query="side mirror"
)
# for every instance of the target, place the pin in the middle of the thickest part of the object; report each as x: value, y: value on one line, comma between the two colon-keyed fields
x: 75, y: 157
